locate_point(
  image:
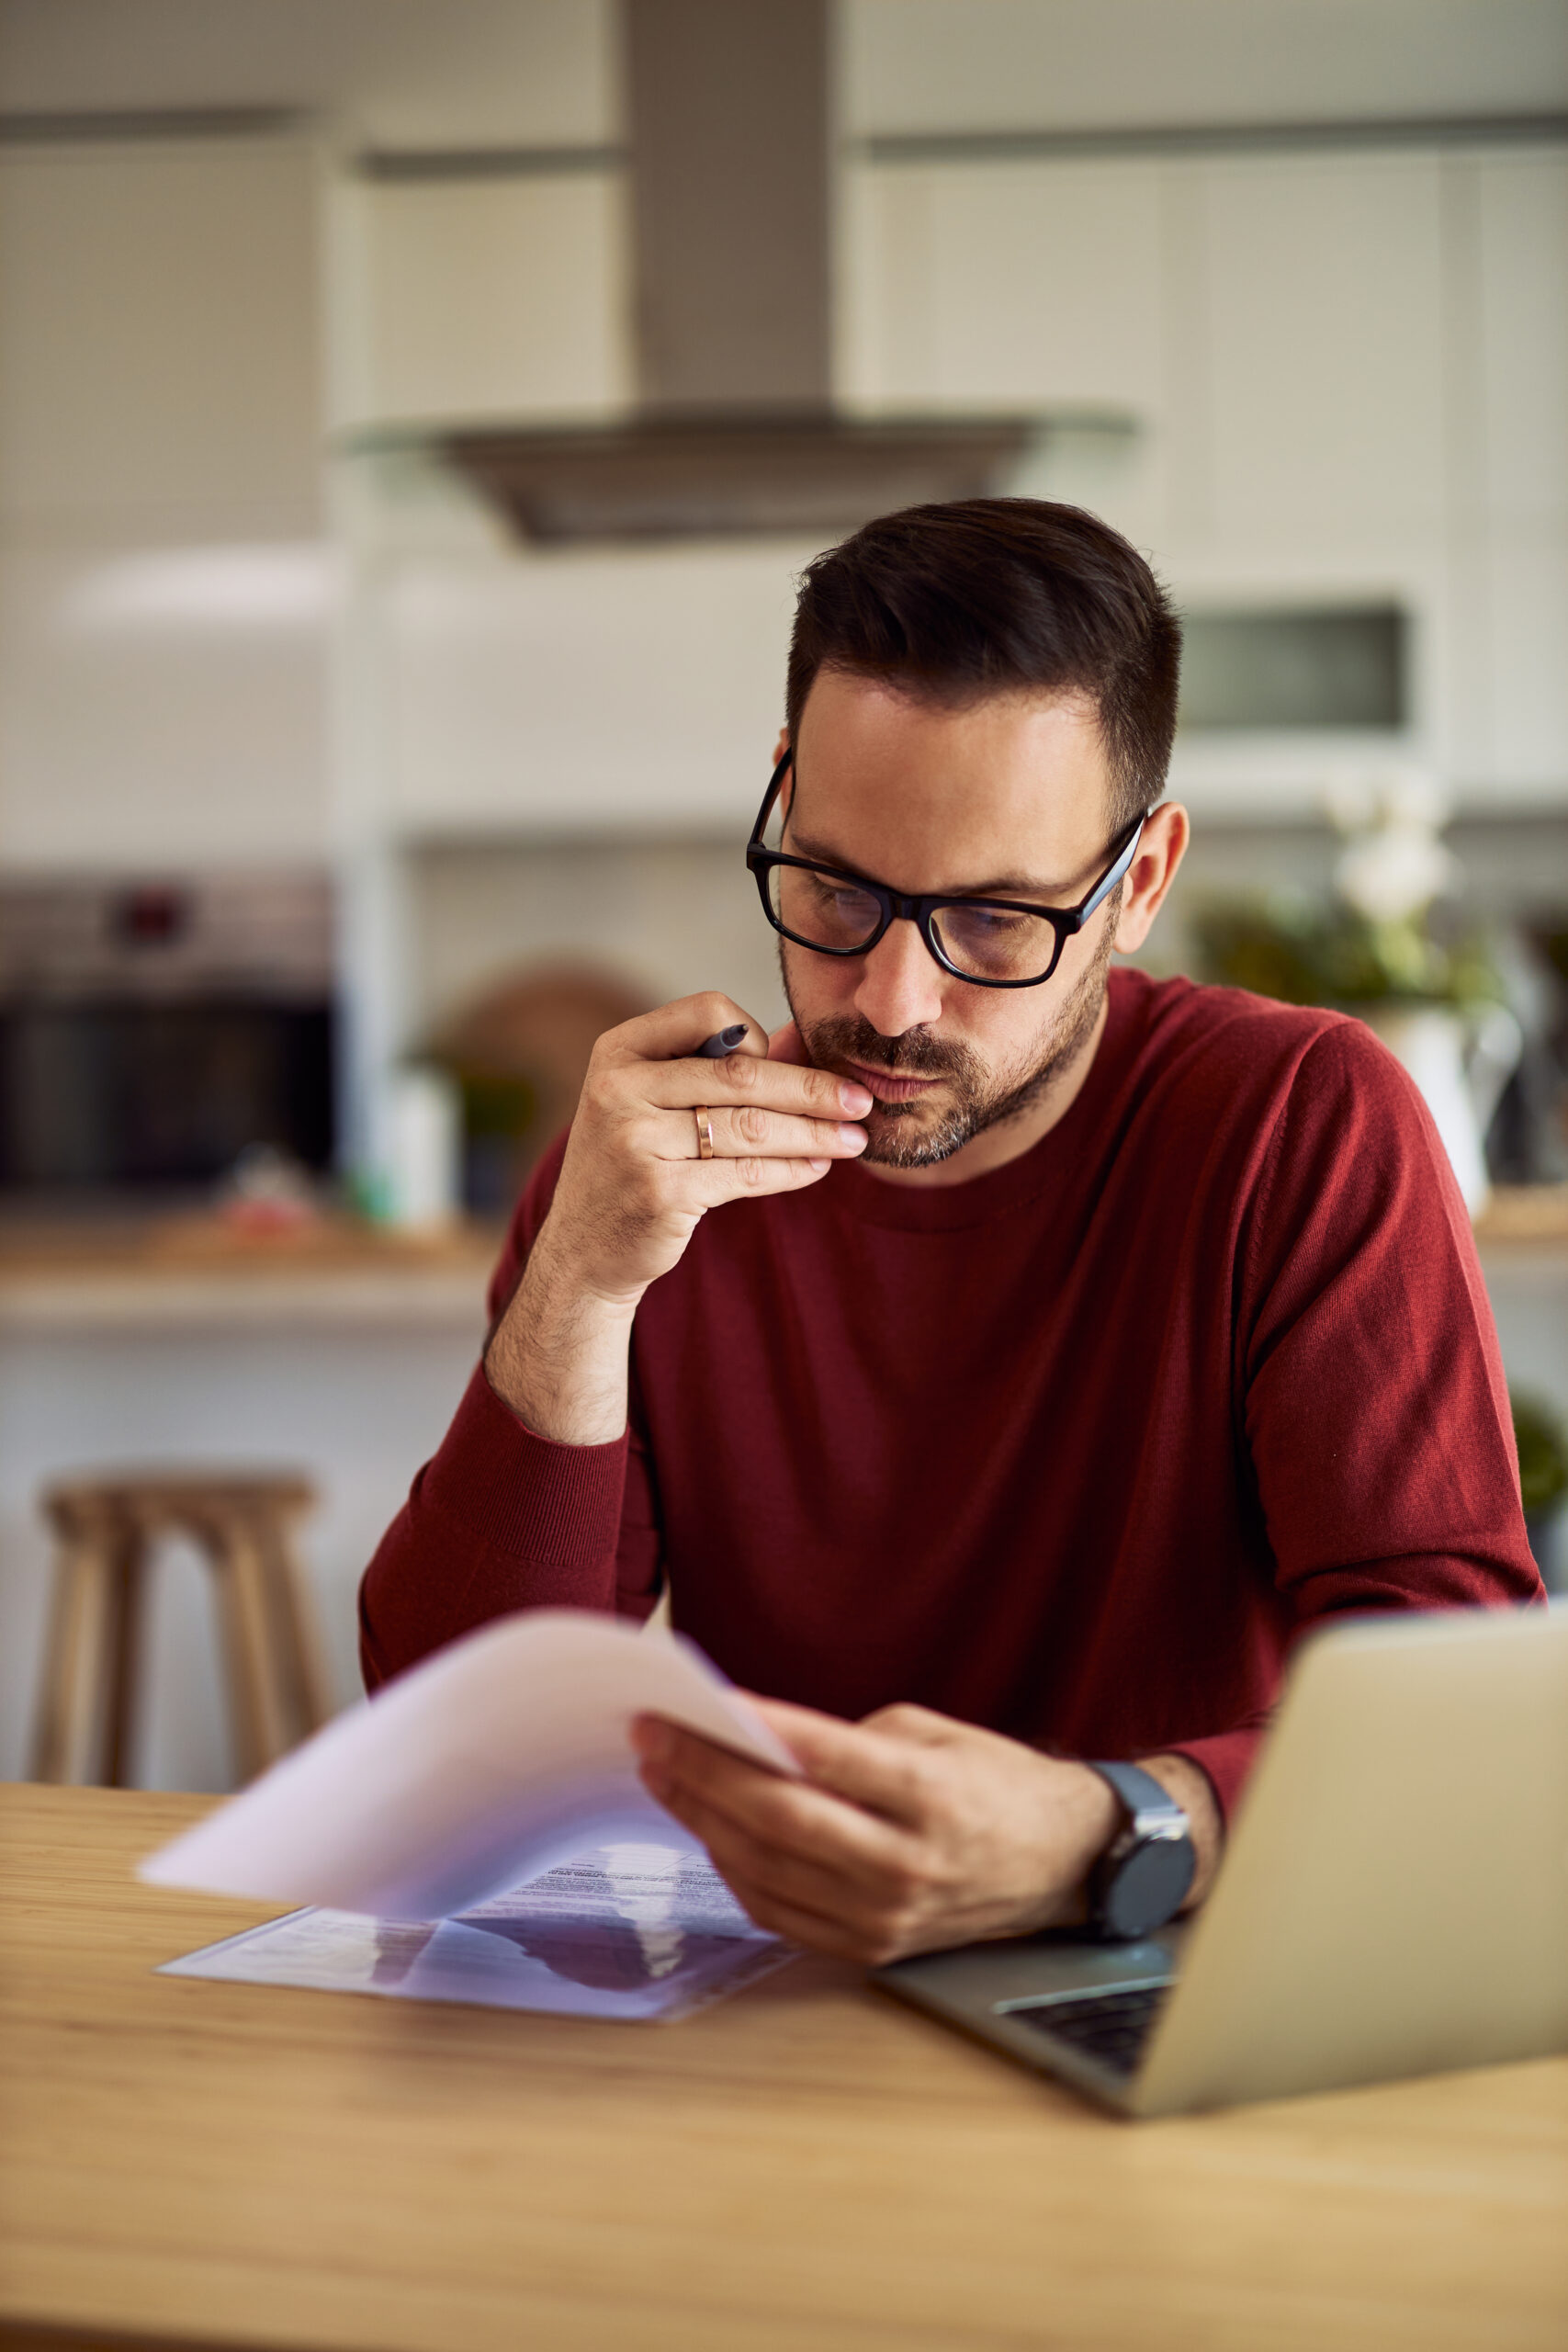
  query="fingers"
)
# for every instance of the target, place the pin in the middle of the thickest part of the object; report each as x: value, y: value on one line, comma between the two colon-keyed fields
x: 877, y: 1766
x: 786, y: 1044
x: 838, y: 1935
x: 785, y: 1816
x: 752, y: 1131
x: 803, y: 1863
x: 710, y: 1184
x: 777, y: 1875
x: 678, y: 1029
x: 744, y: 1079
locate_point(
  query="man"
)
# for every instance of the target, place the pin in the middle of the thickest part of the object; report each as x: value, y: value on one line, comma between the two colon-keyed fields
x: 1146, y: 1331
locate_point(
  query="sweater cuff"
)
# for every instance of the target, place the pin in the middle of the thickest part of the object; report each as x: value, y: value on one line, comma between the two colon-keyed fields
x: 558, y: 1505
x: 1225, y: 1760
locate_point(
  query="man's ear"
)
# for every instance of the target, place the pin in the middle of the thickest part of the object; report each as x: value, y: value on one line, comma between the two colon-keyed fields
x: 1161, y: 850
x: 782, y: 746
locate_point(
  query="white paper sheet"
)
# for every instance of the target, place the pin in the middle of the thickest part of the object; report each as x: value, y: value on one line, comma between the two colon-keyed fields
x: 641, y: 1932
x: 497, y: 1759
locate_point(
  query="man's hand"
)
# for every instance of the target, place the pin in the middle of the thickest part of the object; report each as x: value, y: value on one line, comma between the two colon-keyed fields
x: 912, y: 1832
x: 633, y: 1189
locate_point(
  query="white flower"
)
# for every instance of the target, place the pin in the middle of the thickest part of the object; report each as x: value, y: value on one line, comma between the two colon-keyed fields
x: 1395, y: 865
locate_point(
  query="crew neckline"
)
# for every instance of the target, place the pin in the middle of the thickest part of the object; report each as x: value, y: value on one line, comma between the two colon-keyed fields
x: 854, y: 1192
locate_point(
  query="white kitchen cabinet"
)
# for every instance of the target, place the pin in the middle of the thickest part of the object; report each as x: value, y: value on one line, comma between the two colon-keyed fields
x: 996, y: 285
x: 1520, y: 501
x: 164, y: 581
x: 1522, y: 205
x: 1526, y: 614
x: 488, y: 300
x: 1277, y: 319
x: 1322, y: 281
x: 159, y: 307
x: 576, y: 690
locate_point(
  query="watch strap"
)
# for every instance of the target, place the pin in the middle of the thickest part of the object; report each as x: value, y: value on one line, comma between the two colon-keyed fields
x: 1148, y: 1801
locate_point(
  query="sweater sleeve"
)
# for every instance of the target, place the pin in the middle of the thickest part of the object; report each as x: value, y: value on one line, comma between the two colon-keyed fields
x: 502, y: 1518
x: 1374, y: 1416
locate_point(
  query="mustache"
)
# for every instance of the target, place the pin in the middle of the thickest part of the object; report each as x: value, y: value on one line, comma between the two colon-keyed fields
x: 916, y: 1053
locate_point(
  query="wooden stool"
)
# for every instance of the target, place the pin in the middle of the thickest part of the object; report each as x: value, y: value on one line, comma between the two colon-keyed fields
x: 105, y: 1528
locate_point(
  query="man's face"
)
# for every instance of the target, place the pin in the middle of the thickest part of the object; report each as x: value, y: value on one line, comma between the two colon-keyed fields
x: 1008, y: 798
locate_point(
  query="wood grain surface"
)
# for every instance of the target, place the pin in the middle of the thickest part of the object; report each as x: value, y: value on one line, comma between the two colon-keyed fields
x: 807, y: 2165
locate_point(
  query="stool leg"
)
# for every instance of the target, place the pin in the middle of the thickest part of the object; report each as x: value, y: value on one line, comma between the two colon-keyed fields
x: 261, y: 1733
x: 296, y: 1635
x: 82, y: 1610
x: 124, y: 1650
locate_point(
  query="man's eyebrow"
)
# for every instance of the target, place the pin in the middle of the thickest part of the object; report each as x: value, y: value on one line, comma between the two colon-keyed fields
x: 1001, y: 886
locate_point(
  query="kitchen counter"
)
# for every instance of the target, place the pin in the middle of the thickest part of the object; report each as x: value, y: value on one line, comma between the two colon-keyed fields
x: 181, y: 1274
x: 1534, y: 1213
x: 200, y: 1273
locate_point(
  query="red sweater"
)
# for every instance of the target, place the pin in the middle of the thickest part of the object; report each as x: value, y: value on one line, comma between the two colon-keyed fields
x: 1073, y: 1449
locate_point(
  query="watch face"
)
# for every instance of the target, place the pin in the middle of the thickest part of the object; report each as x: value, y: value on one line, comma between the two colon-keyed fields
x: 1149, y: 1886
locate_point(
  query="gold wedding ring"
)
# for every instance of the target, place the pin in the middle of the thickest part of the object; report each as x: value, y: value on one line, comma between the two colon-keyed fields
x: 705, y: 1134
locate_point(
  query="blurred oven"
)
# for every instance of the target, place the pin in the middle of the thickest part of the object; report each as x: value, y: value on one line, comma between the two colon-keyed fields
x: 149, y: 1033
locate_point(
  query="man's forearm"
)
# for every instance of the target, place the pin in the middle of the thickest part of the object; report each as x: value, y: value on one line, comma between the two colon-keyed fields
x: 560, y: 1356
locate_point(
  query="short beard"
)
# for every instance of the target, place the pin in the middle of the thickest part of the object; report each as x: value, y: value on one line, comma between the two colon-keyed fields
x: 982, y: 1098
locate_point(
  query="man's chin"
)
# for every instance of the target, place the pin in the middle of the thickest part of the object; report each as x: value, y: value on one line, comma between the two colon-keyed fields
x: 913, y: 1135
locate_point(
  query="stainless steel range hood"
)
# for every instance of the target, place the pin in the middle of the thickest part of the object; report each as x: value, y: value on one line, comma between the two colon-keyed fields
x: 731, y: 153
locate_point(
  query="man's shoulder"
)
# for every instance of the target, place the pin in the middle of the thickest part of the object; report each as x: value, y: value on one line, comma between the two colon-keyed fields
x: 1232, y: 1033
x: 1214, y: 1059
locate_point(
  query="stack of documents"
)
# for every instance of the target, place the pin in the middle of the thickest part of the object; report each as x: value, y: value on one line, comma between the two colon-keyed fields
x: 476, y: 1832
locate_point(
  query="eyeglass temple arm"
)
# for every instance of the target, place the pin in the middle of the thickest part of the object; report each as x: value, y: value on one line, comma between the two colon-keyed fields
x: 774, y: 781
x: 1103, y: 889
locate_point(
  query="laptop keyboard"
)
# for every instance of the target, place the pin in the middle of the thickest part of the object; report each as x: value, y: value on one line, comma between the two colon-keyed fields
x: 1111, y: 2026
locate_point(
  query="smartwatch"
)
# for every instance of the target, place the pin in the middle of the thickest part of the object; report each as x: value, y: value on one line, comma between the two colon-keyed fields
x: 1142, y: 1876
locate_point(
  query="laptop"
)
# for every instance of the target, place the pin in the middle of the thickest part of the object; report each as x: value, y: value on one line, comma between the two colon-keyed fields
x: 1394, y: 1900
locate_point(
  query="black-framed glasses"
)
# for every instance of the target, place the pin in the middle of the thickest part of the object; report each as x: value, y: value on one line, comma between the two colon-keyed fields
x: 992, y: 943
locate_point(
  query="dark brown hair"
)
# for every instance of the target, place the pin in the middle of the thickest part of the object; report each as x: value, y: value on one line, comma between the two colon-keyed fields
x: 992, y: 595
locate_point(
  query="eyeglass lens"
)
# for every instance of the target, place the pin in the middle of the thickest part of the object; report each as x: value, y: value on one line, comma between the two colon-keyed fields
x: 985, y: 943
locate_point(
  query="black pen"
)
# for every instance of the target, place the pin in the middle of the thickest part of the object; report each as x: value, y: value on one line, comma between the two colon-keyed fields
x: 722, y: 1042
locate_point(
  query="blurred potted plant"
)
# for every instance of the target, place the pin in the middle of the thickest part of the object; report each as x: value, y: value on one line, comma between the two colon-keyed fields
x: 1377, y: 950
x: 1542, y: 1444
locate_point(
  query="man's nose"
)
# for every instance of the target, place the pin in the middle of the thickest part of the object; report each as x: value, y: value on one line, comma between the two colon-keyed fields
x: 900, y: 982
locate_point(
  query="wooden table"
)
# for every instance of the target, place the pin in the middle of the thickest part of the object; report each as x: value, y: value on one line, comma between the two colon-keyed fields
x: 807, y: 2165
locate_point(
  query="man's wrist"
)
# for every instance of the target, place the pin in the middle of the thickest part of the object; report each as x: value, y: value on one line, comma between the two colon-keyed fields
x: 1085, y: 1818
x: 559, y: 1356
x: 1095, y: 1820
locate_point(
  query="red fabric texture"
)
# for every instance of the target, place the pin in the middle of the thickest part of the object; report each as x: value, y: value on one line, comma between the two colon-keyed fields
x: 1074, y: 1450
